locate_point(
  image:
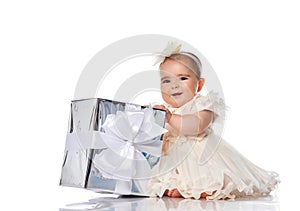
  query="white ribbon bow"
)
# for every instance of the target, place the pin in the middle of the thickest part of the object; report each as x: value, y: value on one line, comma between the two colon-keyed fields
x: 127, y: 135
x: 171, y: 48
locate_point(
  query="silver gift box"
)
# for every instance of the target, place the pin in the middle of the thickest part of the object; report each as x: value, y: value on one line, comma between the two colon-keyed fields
x: 78, y: 169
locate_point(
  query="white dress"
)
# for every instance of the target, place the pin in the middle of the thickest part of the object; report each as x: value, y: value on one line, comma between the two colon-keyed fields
x: 206, y: 163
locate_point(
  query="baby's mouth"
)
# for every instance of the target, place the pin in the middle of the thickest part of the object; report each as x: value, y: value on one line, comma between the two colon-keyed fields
x: 176, y: 94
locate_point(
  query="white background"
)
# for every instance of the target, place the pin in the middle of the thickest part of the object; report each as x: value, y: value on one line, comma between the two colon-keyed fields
x: 44, y: 45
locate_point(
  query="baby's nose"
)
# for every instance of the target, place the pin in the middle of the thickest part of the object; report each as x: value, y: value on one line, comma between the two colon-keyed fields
x: 175, y: 85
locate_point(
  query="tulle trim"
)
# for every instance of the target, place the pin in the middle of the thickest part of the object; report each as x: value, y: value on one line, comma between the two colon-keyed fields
x: 227, y: 186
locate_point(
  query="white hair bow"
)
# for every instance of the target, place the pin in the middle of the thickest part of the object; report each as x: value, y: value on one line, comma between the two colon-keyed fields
x: 171, y: 48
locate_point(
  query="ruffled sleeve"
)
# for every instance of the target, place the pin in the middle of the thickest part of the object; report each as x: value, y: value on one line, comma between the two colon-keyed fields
x: 211, y: 102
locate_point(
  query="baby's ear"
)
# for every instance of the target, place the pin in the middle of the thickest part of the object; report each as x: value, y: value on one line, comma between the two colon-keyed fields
x: 200, y: 84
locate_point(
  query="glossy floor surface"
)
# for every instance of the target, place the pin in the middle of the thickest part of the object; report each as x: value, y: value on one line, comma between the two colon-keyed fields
x: 165, y: 203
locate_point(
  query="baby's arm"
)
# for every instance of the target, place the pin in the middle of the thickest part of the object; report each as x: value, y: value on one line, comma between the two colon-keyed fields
x: 189, y: 124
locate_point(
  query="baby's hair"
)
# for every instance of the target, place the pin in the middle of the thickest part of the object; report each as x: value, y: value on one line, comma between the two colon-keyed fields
x: 189, y: 60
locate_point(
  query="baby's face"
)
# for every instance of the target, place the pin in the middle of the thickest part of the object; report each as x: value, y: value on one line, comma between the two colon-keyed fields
x: 178, y: 84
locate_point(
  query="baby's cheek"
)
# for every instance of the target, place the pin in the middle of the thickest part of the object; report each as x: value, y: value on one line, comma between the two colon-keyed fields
x: 165, y: 96
x: 190, y: 89
x: 168, y: 99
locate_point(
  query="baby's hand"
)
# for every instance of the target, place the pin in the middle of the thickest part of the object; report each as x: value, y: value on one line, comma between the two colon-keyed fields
x: 168, y: 113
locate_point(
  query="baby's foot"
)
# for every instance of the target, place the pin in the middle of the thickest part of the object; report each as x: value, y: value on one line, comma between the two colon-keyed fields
x: 174, y: 193
x: 204, y: 195
x: 166, y: 193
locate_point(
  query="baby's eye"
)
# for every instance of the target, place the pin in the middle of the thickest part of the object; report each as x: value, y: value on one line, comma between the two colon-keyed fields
x: 183, y: 78
x: 166, y: 81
